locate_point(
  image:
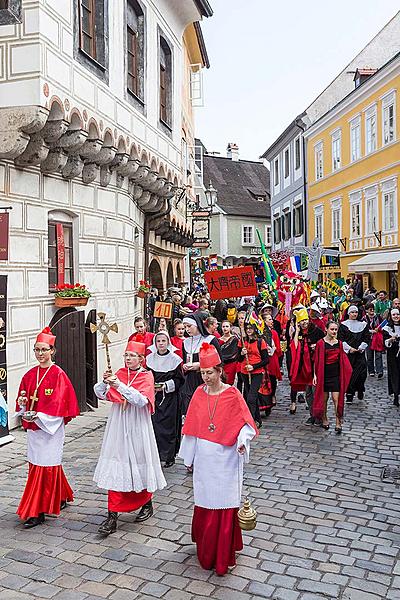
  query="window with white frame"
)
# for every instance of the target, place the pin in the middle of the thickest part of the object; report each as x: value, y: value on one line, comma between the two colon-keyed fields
x: 371, y: 206
x: 298, y: 221
x: 297, y: 153
x: 336, y: 221
x: 277, y: 229
x: 247, y: 235
x: 336, y: 150
x: 268, y: 235
x: 286, y: 163
x: 388, y: 212
x: 355, y: 139
x: 355, y: 220
x: 287, y: 225
x: 370, y: 130
x: 276, y: 171
x: 319, y: 223
x: 388, y: 118
x: 319, y: 160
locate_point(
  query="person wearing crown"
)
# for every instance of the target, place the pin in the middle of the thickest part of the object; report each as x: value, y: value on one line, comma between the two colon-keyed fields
x: 46, y: 402
x: 216, y: 442
x: 129, y: 466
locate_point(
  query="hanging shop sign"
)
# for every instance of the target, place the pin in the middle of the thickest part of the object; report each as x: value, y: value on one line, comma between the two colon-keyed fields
x: 201, y: 229
x: 4, y: 227
x: 231, y: 283
x: 4, y: 433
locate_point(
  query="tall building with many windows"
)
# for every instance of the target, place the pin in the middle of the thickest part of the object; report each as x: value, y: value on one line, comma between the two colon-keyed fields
x: 95, y: 105
x: 288, y: 186
x: 353, y: 170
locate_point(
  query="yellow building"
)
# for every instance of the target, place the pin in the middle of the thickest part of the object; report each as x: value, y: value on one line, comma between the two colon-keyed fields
x: 353, y: 167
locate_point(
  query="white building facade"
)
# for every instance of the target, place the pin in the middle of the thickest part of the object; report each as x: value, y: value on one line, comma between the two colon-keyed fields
x: 90, y: 146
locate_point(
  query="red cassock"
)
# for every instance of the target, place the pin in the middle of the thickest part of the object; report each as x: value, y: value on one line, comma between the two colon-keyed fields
x: 273, y: 366
x: 345, y: 376
x: 178, y: 343
x: 216, y: 532
x: 144, y: 383
x: 301, y: 370
x: 143, y: 338
x: 47, y: 486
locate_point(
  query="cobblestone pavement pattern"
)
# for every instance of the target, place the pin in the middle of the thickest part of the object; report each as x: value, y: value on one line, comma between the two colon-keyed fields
x: 328, y: 527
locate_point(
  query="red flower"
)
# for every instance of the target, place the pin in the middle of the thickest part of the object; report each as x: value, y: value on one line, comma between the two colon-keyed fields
x: 77, y: 285
x: 83, y: 287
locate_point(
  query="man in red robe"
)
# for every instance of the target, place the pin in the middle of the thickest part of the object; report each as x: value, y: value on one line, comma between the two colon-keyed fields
x: 46, y: 402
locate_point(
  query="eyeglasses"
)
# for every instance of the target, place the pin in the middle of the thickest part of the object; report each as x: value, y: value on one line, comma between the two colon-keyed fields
x: 41, y: 350
x: 129, y: 355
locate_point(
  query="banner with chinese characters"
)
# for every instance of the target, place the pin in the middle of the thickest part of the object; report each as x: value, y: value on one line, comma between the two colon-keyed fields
x: 3, y: 359
x: 231, y: 283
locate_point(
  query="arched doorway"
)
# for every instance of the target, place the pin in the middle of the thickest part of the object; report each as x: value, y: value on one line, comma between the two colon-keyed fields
x: 170, y: 275
x: 155, y: 276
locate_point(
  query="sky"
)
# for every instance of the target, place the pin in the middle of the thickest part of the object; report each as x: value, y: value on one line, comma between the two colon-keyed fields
x: 270, y: 59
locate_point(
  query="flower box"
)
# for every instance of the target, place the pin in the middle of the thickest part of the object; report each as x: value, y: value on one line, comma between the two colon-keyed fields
x: 141, y: 294
x: 62, y: 301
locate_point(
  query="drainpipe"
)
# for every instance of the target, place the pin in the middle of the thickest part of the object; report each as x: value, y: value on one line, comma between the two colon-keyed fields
x: 301, y: 126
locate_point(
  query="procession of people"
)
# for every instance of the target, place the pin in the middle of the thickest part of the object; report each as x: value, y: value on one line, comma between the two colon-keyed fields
x: 200, y: 385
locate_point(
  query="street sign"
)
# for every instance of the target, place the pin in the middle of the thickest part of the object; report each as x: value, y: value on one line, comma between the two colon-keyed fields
x: 256, y: 250
x: 163, y: 310
x: 231, y: 283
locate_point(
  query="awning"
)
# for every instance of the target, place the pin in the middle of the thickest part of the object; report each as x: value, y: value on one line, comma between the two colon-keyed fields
x: 376, y: 261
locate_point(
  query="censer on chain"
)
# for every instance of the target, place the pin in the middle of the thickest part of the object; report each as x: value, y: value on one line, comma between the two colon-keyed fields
x: 247, y: 516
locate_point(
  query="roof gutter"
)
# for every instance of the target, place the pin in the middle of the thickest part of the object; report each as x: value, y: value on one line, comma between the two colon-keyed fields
x: 202, y: 44
x: 204, y: 8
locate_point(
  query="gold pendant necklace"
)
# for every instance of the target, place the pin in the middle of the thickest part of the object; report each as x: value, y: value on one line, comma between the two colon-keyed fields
x: 212, y: 427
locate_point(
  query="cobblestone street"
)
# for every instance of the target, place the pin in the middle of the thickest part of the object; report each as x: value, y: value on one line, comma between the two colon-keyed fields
x: 328, y: 527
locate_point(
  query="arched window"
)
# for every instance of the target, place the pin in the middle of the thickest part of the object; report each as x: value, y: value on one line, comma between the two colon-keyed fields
x: 62, y: 248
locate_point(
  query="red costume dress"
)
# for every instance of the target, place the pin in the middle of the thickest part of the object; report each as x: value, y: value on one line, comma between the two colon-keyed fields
x: 218, y: 473
x: 142, y: 338
x: 325, y: 358
x: 129, y: 465
x: 46, y: 487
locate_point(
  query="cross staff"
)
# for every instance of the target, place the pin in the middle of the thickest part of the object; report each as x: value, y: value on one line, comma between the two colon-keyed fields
x: 314, y: 253
x: 104, y: 328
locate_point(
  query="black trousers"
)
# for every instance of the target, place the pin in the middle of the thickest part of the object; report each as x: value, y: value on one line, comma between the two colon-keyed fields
x: 274, y: 384
x: 250, y: 393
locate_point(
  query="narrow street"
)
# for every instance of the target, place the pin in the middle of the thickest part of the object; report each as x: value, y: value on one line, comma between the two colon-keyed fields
x: 328, y: 527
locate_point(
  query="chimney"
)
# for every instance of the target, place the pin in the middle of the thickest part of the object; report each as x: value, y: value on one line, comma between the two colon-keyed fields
x: 232, y: 151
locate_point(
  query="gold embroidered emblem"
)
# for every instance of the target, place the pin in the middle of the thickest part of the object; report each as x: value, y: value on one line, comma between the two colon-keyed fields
x: 48, y: 391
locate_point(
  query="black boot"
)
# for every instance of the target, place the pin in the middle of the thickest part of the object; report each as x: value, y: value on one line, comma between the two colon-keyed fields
x: 349, y: 397
x: 33, y: 521
x: 396, y: 400
x: 145, y: 512
x: 109, y: 525
x: 360, y: 395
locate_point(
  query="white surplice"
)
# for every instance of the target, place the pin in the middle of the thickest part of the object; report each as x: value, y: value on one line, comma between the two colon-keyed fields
x: 217, y: 469
x: 45, y: 445
x: 129, y: 459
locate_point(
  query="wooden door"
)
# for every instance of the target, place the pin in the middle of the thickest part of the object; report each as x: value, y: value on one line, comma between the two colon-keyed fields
x: 91, y: 360
x: 68, y: 325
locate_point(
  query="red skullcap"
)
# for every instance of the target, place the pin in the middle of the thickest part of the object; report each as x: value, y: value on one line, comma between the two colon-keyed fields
x: 46, y: 337
x: 209, y: 356
x: 136, y: 347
